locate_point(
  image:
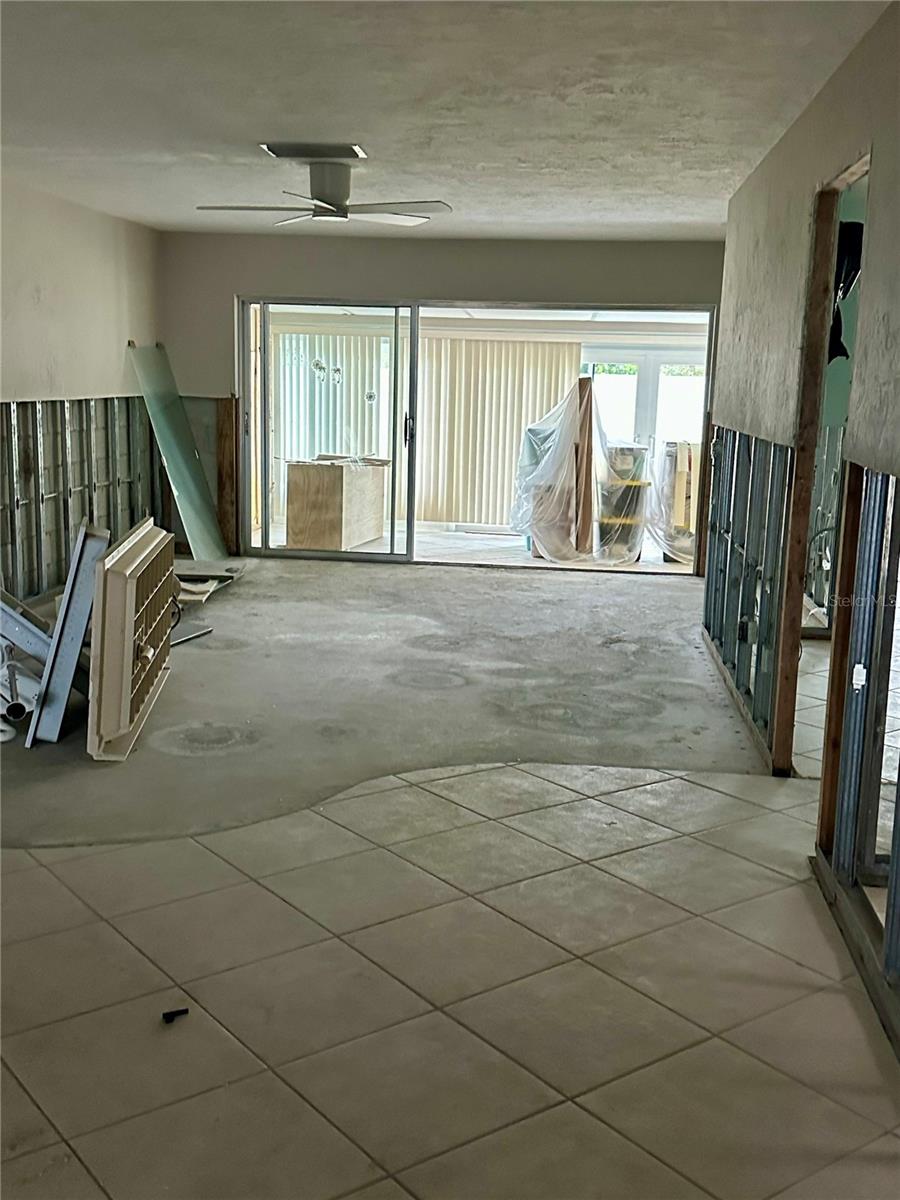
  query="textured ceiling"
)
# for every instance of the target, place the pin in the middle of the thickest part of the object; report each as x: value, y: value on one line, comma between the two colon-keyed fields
x: 582, y: 120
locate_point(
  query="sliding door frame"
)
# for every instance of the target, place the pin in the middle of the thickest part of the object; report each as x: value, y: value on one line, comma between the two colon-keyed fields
x: 406, y: 431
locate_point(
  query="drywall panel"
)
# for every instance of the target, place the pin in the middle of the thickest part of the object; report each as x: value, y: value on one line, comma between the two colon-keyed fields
x: 77, y: 285
x: 178, y: 449
x: 202, y: 274
x: 767, y: 260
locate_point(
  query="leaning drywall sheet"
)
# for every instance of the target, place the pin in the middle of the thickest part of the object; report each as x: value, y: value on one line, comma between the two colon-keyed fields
x: 767, y: 260
x: 179, y: 451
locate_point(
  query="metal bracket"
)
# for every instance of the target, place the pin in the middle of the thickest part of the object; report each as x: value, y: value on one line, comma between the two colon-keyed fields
x: 20, y: 627
x: 68, y: 636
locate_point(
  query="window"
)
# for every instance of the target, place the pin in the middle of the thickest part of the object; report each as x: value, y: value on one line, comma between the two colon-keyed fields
x: 649, y: 395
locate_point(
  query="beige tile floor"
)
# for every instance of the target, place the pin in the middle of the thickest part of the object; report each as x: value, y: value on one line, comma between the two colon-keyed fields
x: 809, y: 718
x: 503, y: 982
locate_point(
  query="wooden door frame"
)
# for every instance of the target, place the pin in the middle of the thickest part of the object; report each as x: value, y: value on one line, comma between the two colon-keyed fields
x: 813, y: 362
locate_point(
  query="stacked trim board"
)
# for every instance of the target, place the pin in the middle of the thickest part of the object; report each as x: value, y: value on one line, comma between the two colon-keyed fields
x: 133, y: 593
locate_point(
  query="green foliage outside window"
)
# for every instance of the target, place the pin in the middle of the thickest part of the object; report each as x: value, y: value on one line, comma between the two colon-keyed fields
x: 608, y: 369
x: 693, y: 370
x: 690, y: 370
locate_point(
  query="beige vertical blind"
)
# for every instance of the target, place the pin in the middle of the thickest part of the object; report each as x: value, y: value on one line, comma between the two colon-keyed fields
x: 476, y: 396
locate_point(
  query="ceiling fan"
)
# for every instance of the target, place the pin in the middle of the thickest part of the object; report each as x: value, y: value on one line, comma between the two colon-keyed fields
x: 329, y: 185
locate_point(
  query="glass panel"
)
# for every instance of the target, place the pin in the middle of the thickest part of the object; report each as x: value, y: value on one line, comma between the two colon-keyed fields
x: 178, y: 448
x: 334, y: 430
x: 679, y: 404
x: 616, y: 388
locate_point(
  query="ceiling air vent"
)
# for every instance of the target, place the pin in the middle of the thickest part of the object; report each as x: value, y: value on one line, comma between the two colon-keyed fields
x: 314, y: 151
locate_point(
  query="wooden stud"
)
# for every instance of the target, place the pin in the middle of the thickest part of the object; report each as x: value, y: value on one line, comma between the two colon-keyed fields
x: 227, y: 471
x: 851, y: 174
x: 584, y: 468
x: 813, y: 355
x: 842, y: 619
x: 704, y: 495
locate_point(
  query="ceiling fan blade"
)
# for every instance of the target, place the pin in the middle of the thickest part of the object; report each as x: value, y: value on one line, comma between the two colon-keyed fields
x: 289, y: 208
x: 389, y: 218
x: 290, y: 220
x: 414, y: 207
x: 310, y: 200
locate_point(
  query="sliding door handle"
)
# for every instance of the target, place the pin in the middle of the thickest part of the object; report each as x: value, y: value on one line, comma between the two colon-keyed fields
x: 409, y: 429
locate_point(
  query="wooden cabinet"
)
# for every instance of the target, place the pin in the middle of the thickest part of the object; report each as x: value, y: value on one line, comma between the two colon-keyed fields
x: 335, y: 504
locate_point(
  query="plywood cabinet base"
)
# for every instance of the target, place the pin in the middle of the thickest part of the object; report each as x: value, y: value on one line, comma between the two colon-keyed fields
x: 335, y: 505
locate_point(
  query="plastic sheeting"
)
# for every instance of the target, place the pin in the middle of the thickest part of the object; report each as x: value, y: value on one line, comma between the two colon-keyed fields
x: 673, y: 498
x: 630, y: 492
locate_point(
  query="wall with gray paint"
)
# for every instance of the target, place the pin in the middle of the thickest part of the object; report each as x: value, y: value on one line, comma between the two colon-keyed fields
x: 202, y: 273
x: 76, y: 286
x: 767, y: 260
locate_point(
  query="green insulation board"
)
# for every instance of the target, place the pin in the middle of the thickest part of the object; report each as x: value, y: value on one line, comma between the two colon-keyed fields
x: 178, y: 450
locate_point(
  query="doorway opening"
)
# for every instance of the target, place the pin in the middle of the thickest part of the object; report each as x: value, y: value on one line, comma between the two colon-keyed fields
x: 827, y: 485
x: 400, y: 431
x: 489, y: 380
x: 327, y: 429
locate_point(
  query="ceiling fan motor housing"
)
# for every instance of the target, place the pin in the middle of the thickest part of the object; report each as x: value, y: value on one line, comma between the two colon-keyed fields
x: 330, y: 182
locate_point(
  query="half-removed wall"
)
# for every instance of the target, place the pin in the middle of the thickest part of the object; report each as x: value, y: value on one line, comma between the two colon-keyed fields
x: 77, y: 285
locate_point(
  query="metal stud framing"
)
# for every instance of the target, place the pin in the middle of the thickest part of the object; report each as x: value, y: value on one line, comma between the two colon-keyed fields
x: 745, y: 553
x: 770, y: 589
x: 872, y: 866
x: 748, y: 598
x: 891, y: 950
x: 64, y: 461
x: 862, y: 638
x: 854, y: 864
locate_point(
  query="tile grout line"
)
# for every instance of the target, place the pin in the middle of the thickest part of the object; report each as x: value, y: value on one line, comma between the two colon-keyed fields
x: 841, y: 1158
x: 471, y: 895
x: 62, y: 1140
x: 504, y: 1053
x: 264, y: 1069
x: 737, y: 854
x: 573, y: 957
x: 331, y: 935
x: 787, y: 1075
x: 177, y: 987
x: 106, y: 848
x: 60, y: 1136
x: 442, y: 1007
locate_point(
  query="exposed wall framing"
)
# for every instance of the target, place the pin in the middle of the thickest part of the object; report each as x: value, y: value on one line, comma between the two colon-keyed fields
x: 850, y: 859
x: 745, y: 561
x: 813, y: 358
x: 64, y: 460
x: 842, y: 604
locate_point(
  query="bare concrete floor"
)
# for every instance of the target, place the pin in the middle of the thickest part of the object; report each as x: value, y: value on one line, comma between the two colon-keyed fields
x: 319, y: 675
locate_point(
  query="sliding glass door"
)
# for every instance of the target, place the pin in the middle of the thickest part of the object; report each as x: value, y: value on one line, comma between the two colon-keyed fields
x: 328, y: 428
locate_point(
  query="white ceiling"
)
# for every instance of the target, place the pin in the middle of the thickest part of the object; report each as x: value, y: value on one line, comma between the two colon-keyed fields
x: 581, y: 120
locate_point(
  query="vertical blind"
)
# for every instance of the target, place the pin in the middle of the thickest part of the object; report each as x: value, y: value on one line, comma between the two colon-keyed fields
x: 476, y: 396
x: 332, y: 394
